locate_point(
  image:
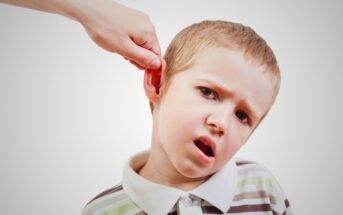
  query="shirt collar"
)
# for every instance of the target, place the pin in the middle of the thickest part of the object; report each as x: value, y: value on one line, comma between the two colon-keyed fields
x: 219, y: 189
x: 156, y: 198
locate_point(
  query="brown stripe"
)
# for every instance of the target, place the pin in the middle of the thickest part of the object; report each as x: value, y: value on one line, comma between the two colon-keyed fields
x: 172, y: 213
x: 250, y: 208
x: 241, y: 163
x: 211, y: 210
x: 255, y: 195
x: 141, y: 213
x: 107, y: 192
x: 287, y: 203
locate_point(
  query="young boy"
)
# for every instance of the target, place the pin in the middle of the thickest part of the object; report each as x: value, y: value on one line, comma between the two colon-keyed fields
x: 218, y: 81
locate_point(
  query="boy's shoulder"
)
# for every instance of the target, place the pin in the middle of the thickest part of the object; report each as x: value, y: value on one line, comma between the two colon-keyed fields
x: 251, y: 173
x: 111, y: 201
x: 255, y: 181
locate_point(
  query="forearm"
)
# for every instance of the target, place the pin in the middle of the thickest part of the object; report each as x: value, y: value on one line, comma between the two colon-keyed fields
x: 68, y: 8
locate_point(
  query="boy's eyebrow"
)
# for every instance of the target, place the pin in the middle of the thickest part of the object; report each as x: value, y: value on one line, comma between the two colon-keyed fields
x: 230, y: 92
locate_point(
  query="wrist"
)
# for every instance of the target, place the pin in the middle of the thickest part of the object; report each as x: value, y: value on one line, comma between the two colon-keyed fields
x: 73, y: 9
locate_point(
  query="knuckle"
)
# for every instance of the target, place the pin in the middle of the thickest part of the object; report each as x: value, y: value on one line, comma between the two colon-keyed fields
x: 145, y: 16
x: 151, y: 28
x: 147, y: 31
x: 146, y: 24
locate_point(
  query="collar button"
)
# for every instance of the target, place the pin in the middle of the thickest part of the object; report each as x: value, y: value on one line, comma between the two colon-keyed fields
x: 186, y: 200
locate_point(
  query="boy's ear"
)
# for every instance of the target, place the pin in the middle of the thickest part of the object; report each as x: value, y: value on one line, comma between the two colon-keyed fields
x: 152, y: 82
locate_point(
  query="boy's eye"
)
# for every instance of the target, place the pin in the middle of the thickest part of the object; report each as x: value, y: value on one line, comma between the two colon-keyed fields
x: 242, y: 116
x: 207, y: 92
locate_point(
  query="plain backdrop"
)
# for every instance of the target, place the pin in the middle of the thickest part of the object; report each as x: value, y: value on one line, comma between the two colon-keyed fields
x: 71, y: 114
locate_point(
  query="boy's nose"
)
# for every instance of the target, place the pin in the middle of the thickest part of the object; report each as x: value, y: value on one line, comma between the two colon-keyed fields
x: 218, y: 122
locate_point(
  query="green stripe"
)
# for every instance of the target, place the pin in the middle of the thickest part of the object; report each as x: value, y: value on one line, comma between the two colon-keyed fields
x: 121, y: 210
x: 255, y: 181
x: 258, y: 180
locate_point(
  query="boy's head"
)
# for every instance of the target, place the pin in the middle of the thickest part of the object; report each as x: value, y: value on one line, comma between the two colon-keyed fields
x: 219, y: 80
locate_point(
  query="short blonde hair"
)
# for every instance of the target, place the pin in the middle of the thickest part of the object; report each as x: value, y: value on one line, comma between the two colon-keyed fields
x: 198, y: 37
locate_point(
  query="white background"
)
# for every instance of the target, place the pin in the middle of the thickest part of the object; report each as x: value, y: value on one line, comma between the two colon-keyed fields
x: 71, y: 114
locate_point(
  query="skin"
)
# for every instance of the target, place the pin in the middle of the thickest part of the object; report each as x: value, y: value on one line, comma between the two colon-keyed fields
x: 135, y: 39
x: 222, y: 98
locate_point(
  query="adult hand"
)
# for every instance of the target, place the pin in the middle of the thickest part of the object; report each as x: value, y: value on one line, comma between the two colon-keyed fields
x: 122, y: 30
x: 112, y: 26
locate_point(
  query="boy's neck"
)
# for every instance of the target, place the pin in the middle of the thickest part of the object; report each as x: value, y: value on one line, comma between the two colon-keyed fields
x: 160, y: 170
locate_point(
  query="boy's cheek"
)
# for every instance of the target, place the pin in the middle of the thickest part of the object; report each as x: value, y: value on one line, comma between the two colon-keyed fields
x: 180, y: 120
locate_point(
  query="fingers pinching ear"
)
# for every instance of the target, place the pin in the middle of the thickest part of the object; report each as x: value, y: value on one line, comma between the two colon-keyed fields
x: 141, y: 56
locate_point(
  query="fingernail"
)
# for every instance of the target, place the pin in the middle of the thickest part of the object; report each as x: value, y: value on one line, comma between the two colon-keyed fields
x: 155, y: 64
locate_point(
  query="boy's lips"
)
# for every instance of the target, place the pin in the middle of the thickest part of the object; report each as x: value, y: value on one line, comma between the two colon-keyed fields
x: 206, y: 145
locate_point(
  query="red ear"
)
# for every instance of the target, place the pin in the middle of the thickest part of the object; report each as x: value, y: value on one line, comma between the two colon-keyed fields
x: 155, y: 76
x: 156, y: 79
x: 153, y: 82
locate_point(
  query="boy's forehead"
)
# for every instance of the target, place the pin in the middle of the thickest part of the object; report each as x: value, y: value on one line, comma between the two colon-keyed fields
x: 222, y: 55
x: 227, y: 64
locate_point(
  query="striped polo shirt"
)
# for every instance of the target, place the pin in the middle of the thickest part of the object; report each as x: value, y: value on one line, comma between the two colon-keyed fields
x: 240, y: 187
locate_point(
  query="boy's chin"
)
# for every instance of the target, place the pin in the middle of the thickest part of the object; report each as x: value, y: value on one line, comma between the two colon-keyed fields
x: 195, y: 172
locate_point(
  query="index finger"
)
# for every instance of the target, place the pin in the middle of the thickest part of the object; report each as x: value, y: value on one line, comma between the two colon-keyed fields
x: 151, y: 43
x: 155, y: 45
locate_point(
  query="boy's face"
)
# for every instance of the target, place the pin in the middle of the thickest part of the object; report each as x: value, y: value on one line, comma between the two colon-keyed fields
x: 209, y: 111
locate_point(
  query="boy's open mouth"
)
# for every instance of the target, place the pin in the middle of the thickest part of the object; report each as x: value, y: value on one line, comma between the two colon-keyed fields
x: 204, y: 147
